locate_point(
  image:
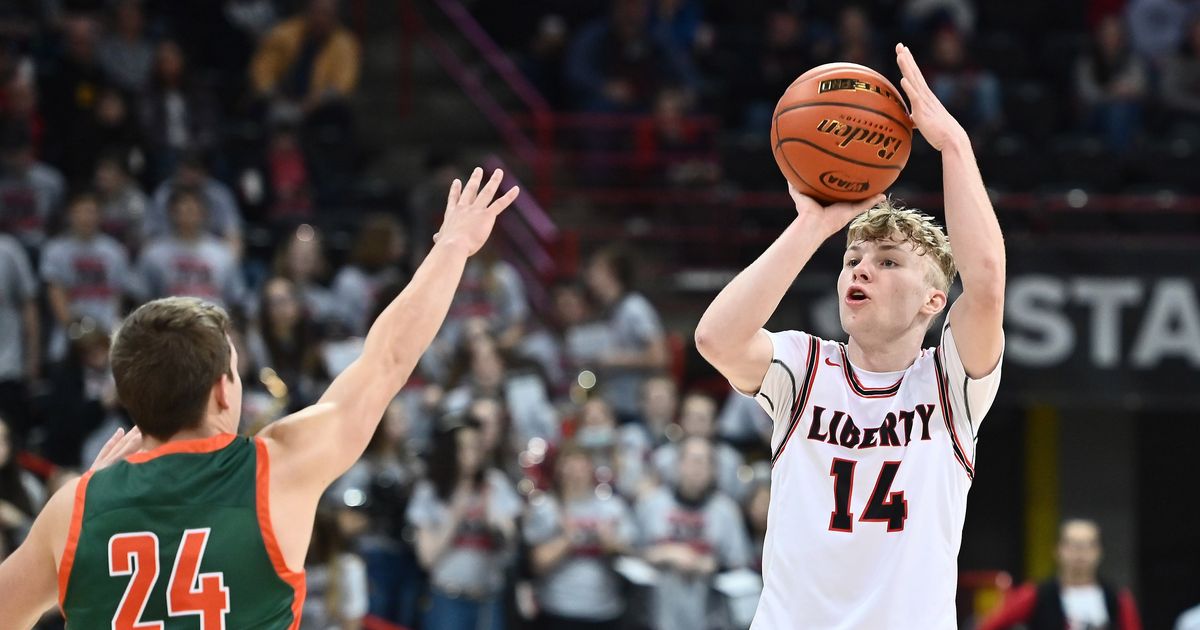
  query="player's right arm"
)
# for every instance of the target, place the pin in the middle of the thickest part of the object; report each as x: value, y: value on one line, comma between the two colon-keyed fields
x: 730, y: 335
x: 316, y: 445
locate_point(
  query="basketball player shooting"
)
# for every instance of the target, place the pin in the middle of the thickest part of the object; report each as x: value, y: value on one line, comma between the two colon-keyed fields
x: 874, y: 440
x: 201, y: 528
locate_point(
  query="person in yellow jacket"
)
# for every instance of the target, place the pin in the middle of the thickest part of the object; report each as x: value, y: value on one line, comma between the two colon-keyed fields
x: 310, y: 60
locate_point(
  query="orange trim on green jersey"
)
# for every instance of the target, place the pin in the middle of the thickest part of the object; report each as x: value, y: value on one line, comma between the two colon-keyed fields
x: 68, y: 557
x: 199, y: 445
x: 263, y: 501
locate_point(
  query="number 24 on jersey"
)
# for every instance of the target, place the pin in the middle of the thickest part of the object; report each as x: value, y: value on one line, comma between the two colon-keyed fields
x: 188, y: 591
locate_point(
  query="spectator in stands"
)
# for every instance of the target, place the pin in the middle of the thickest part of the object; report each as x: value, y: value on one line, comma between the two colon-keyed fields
x: 573, y: 533
x: 84, y: 395
x: 86, y: 273
x: 309, y: 62
x: 780, y: 55
x: 743, y: 422
x: 698, y: 418
x: 680, y: 21
x: 123, y: 205
x: 855, y: 40
x: 30, y: 191
x: 20, y: 348
x: 301, y: 258
x: 21, y: 494
x: 222, y: 216
x: 583, y: 336
x: 493, y: 292
x: 125, y: 53
x: 117, y: 131
x: 1156, y: 27
x: 1181, y: 81
x: 921, y: 17
x: 1076, y: 597
x: 465, y: 515
x: 971, y: 93
x: 618, y: 63
x: 189, y: 261
x: 758, y: 498
x: 263, y: 401
x: 689, y: 534
x: 659, y: 404
x: 287, y: 342
x: 381, y: 484
x: 1111, y: 85
x: 68, y: 100
x: 335, y: 578
x: 375, y: 262
x: 178, y: 115
x: 19, y: 102
x: 619, y: 452
x: 637, y: 342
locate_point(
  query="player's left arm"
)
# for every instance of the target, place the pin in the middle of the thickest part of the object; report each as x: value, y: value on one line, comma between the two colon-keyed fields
x: 978, y: 314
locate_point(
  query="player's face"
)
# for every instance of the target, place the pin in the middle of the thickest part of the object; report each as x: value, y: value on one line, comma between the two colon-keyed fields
x: 884, y: 290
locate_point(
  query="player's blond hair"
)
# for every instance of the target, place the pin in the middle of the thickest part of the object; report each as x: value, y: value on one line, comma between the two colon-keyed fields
x: 890, y: 221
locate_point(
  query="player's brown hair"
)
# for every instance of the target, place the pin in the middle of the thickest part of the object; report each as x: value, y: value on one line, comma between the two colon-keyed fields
x: 890, y: 220
x: 166, y: 357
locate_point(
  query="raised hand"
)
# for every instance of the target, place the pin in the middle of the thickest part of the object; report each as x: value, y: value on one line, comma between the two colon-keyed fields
x: 928, y: 113
x: 833, y: 217
x: 120, y: 445
x: 471, y: 212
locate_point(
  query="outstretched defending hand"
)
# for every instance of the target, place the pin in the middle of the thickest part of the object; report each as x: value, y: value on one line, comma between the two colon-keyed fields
x: 118, y: 447
x: 928, y: 113
x: 834, y: 217
x: 471, y: 213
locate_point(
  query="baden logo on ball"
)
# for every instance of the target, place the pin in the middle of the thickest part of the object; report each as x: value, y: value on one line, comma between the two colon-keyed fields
x: 841, y: 132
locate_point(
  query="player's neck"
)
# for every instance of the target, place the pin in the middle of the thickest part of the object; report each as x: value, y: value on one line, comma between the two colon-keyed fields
x: 890, y: 356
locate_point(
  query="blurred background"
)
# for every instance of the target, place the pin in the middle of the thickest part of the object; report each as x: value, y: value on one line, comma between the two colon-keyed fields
x: 289, y: 160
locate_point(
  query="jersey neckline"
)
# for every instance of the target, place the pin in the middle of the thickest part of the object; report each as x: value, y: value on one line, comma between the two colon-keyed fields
x: 173, y: 447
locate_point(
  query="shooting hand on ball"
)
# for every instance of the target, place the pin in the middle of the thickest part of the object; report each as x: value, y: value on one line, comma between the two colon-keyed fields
x: 834, y: 217
x: 928, y: 113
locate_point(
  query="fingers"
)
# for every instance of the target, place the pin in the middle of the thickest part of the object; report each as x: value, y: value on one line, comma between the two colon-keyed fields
x: 909, y: 68
x: 471, y: 190
x: 505, y: 200
x: 111, y: 443
x: 489, y: 189
x: 455, y: 193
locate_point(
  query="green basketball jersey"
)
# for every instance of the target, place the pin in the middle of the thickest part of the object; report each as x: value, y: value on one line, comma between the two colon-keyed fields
x: 178, y: 538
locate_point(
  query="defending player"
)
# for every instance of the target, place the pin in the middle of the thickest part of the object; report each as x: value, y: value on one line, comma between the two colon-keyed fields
x: 203, y: 528
x: 874, y: 440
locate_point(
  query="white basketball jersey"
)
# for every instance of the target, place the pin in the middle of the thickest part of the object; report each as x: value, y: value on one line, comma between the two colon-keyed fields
x: 869, y: 481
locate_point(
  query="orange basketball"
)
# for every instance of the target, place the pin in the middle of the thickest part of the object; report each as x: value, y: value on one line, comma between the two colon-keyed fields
x: 841, y: 132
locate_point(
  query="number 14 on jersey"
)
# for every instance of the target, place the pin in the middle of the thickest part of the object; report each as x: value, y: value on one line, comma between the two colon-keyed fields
x: 884, y: 505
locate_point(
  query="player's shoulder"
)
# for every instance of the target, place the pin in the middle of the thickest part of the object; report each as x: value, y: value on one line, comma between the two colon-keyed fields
x: 798, y: 343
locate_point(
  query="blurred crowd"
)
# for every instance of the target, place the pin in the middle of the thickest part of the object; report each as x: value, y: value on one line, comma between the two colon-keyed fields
x: 541, y: 467
x: 1114, y: 75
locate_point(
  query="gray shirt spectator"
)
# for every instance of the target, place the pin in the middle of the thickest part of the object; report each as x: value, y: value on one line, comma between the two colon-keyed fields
x: 125, y: 54
x: 93, y: 273
x: 204, y: 268
x: 633, y: 326
x: 583, y: 585
x: 222, y: 220
x: 729, y: 462
x: 713, y: 527
x: 18, y: 290
x: 1156, y: 27
x: 473, y: 563
x: 30, y: 192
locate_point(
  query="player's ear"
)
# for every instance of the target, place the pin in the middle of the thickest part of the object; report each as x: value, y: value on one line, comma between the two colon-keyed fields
x: 935, y: 302
x: 222, y: 391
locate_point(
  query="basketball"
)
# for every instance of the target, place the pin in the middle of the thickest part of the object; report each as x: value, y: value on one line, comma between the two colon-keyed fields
x: 841, y: 132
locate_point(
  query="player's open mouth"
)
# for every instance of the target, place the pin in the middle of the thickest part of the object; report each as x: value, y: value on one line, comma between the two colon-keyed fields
x: 855, y: 296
